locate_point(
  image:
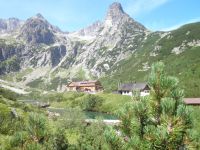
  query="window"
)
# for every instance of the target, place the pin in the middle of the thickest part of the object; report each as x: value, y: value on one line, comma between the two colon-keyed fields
x: 146, y: 91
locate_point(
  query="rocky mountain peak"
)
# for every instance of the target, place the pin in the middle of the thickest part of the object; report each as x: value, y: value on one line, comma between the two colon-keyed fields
x: 38, y: 15
x: 37, y: 30
x: 115, y: 14
x: 13, y: 23
x: 10, y: 24
x: 115, y: 9
x: 13, y: 19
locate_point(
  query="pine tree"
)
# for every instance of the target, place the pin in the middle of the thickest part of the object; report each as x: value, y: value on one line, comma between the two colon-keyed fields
x: 158, y: 121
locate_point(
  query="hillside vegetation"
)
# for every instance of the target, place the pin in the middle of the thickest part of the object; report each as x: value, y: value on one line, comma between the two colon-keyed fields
x: 185, y: 64
x: 143, y: 121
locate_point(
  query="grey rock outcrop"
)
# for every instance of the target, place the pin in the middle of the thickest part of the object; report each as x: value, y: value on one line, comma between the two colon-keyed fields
x: 10, y: 25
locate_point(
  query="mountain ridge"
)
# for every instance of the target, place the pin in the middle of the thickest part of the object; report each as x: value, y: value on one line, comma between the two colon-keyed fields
x: 38, y: 54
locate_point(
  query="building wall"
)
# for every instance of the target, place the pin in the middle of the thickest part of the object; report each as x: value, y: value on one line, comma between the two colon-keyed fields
x: 71, y: 88
x: 127, y: 93
x: 87, y: 89
x: 142, y: 93
x: 83, y: 88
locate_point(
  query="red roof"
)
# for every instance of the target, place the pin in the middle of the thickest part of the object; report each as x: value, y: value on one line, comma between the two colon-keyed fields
x: 192, y: 101
x: 82, y: 83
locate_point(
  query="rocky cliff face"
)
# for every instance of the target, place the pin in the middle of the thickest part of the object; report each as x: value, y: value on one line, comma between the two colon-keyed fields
x: 51, y: 54
x: 57, y: 53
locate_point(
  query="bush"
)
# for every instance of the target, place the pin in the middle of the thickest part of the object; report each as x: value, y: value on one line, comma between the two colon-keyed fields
x: 35, y: 135
x: 92, y: 103
x: 60, y: 141
x: 92, y: 138
x: 88, y: 102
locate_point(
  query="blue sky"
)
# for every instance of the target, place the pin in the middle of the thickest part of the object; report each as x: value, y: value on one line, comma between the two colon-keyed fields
x: 71, y: 15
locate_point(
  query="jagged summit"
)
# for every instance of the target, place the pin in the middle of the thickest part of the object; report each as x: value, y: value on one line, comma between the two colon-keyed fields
x: 115, y: 9
x: 13, y: 18
x: 116, y: 15
x: 38, y: 15
x: 10, y: 24
x: 37, y: 30
x: 116, y: 22
x: 116, y: 18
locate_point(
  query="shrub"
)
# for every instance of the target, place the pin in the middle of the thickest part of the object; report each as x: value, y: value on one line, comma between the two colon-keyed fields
x: 60, y: 140
x: 92, y: 138
x: 88, y: 102
x: 92, y: 103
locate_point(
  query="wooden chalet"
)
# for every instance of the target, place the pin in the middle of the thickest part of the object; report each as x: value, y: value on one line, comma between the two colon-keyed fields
x: 85, y: 86
x: 128, y: 88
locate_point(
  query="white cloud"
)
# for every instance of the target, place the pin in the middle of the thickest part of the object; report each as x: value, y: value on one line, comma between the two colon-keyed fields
x: 137, y: 7
x: 176, y: 26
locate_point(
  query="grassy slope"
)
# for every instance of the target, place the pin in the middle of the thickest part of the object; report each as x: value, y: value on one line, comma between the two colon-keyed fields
x: 186, y: 66
x: 111, y: 102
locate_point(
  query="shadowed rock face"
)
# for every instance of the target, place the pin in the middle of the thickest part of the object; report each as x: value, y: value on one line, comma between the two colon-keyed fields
x: 37, y: 30
x: 8, y: 50
x: 57, y: 53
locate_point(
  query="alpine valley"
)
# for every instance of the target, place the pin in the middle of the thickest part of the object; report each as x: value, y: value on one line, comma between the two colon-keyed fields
x: 36, y: 54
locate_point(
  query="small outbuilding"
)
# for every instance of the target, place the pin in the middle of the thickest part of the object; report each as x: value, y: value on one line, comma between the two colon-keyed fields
x: 192, y: 101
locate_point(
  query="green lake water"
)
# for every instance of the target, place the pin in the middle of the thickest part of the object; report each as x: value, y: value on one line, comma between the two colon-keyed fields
x: 69, y: 112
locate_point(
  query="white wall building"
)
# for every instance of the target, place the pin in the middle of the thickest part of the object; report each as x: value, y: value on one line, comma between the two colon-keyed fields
x: 128, y: 88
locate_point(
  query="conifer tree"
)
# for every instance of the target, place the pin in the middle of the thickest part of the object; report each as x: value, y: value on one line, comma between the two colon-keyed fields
x: 158, y: 121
